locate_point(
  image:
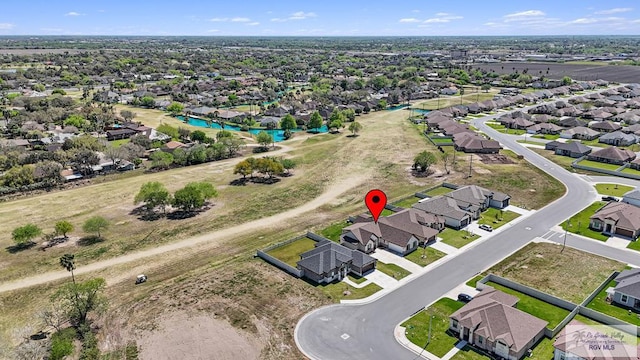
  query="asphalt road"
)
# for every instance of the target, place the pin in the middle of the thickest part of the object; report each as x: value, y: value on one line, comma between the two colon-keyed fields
x: 365, y: 331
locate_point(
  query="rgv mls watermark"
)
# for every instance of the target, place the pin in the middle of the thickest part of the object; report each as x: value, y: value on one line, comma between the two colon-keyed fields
x: 597, y: 342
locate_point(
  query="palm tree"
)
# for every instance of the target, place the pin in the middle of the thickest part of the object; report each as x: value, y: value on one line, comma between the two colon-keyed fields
x: 67, y: 262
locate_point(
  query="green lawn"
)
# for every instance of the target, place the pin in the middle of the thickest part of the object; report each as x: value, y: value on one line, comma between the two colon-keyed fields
x: 497, y: 218
x: 579, y: 223
x: 494, y: 125
x: 538, y: 308
x: 357, y: 279
x: 613, y: 189
x: 543, y: 350
x: 441, y: 141
x: 599, y: 304
x: 290, y: 253
x: 474, y: 280
x: 631, y: 171
x: 408, y: 202
x: 336, y: 291
x: 393, y: 270
x: 468, y: 353
x: 599, y: 165
x: 386, y: 212
x: 333, y: 231
x: 118, y: 143
x: 441, y: 190
x: 594, y: 142
x: 430, y: 253
x: 417, y: 327
x: 547, y: 136
x: 585, y: 320
x: 634, y: 245
x: 530, y: 142
x: 457, y: 238
x: 512, y: 131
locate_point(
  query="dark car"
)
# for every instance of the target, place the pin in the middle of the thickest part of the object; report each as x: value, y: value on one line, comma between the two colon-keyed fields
x: 609, y: 198
x: 464, y: 298
x: 486, y: 227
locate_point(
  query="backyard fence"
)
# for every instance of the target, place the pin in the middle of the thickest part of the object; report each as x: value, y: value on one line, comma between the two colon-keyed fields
x: 617, y: 172
x: 423, y: 194
x: 282, y: 265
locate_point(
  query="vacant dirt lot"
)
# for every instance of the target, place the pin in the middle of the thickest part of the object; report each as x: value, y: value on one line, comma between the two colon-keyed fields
x: 617, y: 73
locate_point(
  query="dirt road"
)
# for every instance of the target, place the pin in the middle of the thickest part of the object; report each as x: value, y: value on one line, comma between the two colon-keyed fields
x: 334, y: 191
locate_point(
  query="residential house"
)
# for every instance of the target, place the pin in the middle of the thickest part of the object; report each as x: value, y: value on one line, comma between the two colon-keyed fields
x: 612, y: 155
x: 401, y: 232
x: 471, y: 142
x: 618, y: 138
x: 569, y: 346
x: 329, y: 261
x: 447, y: 208
x: 492, y: 322
x: 449, y: 91
x: 605, y: 126
x: 171, y: 146
x: 580, y: 132
x: 617, y: 218
x: 544, y: 128
x: 572, y: 122
x: 627, y: 289
x: 572, y: 149
x: 632, y: 197
x: 119, y: 134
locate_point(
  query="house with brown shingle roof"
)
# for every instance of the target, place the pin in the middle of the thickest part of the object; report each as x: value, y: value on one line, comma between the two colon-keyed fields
x: 580, y: 132
x: 617, y: 218
x: 568, y: 344
x: 605, y: 126
x: 492, y: 322
x: 471, y: 142
x: 401, y: 232
x: 612, y: 155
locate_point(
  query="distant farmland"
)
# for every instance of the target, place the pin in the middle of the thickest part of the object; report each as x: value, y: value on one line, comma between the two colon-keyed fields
x: 617, y: 73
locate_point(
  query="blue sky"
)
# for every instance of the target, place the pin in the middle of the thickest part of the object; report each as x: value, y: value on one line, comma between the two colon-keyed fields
x: 325, y: 17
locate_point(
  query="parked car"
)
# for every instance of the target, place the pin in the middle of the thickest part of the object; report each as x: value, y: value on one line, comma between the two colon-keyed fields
x: 486, y: 227
x: 609, y: 198
x: 140, y: 279
x: 465, y: 298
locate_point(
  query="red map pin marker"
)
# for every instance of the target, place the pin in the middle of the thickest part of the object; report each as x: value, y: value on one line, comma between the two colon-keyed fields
x: 376, y: 200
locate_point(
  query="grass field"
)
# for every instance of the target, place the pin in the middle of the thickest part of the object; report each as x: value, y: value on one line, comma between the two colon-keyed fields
x: 579, y: 223
x: 342, y: 291
x: 634, y: 245
x: 547, y: 136
x: 430, y: 254
x: 290, y: 253
x: 333, y: 232
x: 538, y: 308
x: 563, y: 161
x: 571, y: 275
x: 408, y: 202
x: 613, y: 189
x: 457, y: 238
x: 393, y: 270
x: 497, y: 218
x: 446, y: 101
x: 440, y: 190
x: 599, y: 165
x: 357, y: 279
x: 468, y: 353
x: 599, y: 304
x: 417, y: 327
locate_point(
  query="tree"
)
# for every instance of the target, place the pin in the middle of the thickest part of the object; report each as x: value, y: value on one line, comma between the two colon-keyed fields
x: 169, y: 130
x: 193, y: 196
x: 566, y: 80
x: 127, y: 115
x: 269, y: 166
x: 423, y: 161
x: 115, y: 154
x: 315, y: 122
x: 49, y: 172
x: 336, y: 120
x: 288, y: 122
x: 445, y: 160
x: 153, y: 194
x: 24, y: 235
x: 198, y: 136
x: 243, y: 168
x: 355, y: 127
x: 78, y: 300
x: 161, y: 160
x: 147, y: 101
x: 75, y: 120
x: 288, y: 164
x: 84, y: 159
x: 68, y: 263
x: 264, y: 139
x: 485, y: 87
x: 63, y: 227
x: 18, y: 176
x: 95, y: 224
x: 175, y: 108
x: 381, y: 105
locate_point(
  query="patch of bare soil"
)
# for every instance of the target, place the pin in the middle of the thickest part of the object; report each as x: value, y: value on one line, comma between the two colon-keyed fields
x: 495, y: 159
x: 200, y: 336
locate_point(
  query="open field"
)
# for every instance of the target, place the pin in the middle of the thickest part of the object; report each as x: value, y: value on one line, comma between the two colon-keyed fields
x: 497, y: 218
x: 571, y: 275
x: 613, y: 189
x: 579, y: 223
x: 444, y: 101
x: 599, y: 165
x: 580, y: 72
x: 417, y: 327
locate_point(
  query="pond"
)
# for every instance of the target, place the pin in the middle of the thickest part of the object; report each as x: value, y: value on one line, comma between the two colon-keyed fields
x: 397, y: 107
x: 421, y: 111
x: 278, y: 134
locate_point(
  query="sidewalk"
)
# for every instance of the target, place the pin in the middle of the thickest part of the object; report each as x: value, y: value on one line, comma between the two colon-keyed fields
x: 445, y: 248
x: 391, y: 258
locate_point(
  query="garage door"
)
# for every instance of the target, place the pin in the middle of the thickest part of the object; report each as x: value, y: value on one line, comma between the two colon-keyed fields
x: 624, y: 232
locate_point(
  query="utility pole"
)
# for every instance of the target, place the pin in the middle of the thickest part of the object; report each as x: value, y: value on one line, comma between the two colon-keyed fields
x: 470, y: 161
x: 564, y: 241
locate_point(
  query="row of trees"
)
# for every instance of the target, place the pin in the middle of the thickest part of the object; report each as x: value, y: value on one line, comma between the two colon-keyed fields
x: 192, y: 197
x: 23, y: 236
x: 269, y: 166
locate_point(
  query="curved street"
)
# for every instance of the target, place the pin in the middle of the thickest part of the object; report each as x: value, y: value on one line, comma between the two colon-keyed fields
x: 365, y: 331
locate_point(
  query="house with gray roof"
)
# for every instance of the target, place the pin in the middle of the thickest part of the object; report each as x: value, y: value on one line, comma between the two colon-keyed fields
x: 580, y: 132
x: 612, y: 155
x: 632, y: 197
x: 492, y: 322
x: 618, y: 138
x: 627, y: 289
x: 330, y: 261
x: 571, y: 149
x: 617, y: 218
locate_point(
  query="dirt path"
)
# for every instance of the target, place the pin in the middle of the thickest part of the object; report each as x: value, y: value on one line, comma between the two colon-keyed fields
x: 333, y: 192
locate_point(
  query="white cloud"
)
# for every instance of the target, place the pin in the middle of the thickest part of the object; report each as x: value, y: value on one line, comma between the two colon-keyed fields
x: 613, y: 11
x: 213, y: 31
x: 436, y: 20
x: 442, y: 18
x: 301, y: 15
x: 278, y: 20
x: 72, y: 13
x: 584, y: 21
x: 523, y: 15
x: 253, y: 23
x: 6, y: 26
x: 409, y: 20
x: 240, y: 19
x: 442, y: 14
x: 219, y: 19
